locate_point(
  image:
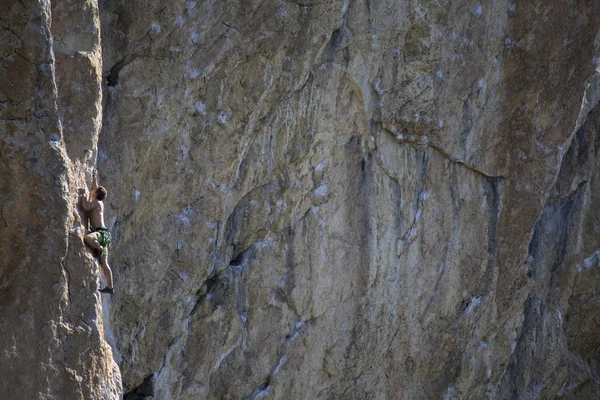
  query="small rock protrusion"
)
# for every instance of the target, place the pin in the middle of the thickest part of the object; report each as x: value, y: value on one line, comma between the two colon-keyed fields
x: 203, y: 289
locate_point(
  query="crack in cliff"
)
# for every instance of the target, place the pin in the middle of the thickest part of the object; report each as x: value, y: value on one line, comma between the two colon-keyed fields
x: 300, y: 326
x: 230, y: 26
x: 531, y: 247
x: 432, y: 297
x: 238, y: 261
x: 424, y: 142
x: 143, y: 391
x: 288, y: 302
x: 152, y: 321
x: 68, y: 280
x: 4, y: 57
x: 24, y: 58
x: 492, y: 194
x: 304, y: 81
x: 385, y: 170
x: 113, y: 76
x: 408, y: 236
x: 249, y: 136
x: 572, y: 192
x: 427, y: 87
x: 11, y: 197
x: 586, y: 109
x: 538, y: 302
x: 310, y: 5
x: 471, y: 167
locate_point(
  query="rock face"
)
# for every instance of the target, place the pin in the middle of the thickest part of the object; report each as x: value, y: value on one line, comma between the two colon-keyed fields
x: 52, y: 326
x: 334, y: 199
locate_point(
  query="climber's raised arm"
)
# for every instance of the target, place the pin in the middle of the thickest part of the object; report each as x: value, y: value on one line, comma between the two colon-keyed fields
x: 94, y: 180
x: 88, y: 204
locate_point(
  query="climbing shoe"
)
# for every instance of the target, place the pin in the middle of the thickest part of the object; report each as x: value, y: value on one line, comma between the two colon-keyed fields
x: 107, y: 290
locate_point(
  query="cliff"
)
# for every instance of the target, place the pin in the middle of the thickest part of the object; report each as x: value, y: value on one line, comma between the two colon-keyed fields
x: 52, y: 322
x: 317, y: 199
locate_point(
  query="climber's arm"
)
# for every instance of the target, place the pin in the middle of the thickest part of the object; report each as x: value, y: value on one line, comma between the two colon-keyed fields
x: 86, y: 204
x: 94, y: 180
x: 89, y: 205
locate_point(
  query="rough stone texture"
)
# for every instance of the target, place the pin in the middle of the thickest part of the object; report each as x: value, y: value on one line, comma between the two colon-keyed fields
x: 353, y: 199
x: 52, y: 327
x: 313, y: 199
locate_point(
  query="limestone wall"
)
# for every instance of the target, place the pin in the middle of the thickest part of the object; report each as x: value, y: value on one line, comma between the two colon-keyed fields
x: 309, y: 199
x: 52, y: 325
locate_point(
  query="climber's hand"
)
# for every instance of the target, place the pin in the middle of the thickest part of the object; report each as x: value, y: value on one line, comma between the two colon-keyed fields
x: 81, y: 191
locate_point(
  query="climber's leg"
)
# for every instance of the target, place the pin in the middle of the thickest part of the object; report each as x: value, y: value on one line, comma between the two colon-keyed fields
x: 106, y: 270
x: 92, y: 240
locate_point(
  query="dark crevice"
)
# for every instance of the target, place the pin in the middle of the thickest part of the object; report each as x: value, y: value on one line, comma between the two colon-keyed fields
x: 265, y: 384
x: 240, y: 258
x: 492, y: 194
x: 513, y: 380
x: 339, y: 41
x: 113, y: 77
x: 334, y: 44
x: 310, y: 5
x: 233, y: 222
x: 208, y: 287
x: 211, y: 284
x: 143, y: 391
x: 262, y: 387
x: 237, y: 261
x: 214, y: 257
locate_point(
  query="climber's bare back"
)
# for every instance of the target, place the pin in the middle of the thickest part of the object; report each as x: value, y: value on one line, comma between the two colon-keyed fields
x: 97, y: 215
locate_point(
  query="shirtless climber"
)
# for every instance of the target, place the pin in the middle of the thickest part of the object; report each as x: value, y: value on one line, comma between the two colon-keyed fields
x: 99, y: 238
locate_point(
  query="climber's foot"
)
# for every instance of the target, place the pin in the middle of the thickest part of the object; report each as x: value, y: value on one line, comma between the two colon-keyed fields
x: 107, y: 290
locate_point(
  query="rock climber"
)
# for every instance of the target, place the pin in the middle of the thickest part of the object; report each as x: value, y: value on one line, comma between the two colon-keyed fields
x: 99, y: 238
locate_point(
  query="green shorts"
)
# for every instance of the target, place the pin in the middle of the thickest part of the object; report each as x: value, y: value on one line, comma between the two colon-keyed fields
x: 103, y: 236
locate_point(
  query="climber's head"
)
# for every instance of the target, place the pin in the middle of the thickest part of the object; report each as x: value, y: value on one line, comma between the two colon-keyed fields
x: 100, y: 193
